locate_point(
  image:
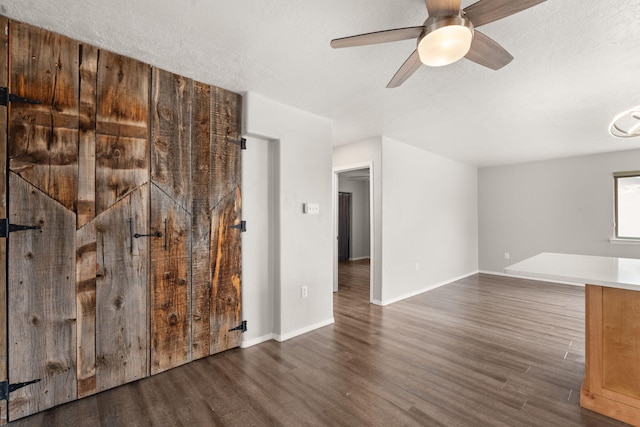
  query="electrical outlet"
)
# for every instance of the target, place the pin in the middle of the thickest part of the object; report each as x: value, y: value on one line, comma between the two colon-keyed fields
x: 417, y: 266
x: 507, y: 255
x: 304, y: 291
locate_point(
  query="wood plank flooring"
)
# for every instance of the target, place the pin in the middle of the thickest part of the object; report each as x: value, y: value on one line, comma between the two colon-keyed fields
x: 483, y: 351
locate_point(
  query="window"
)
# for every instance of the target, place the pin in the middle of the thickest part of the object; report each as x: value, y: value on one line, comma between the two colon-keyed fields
x: 627, y: 194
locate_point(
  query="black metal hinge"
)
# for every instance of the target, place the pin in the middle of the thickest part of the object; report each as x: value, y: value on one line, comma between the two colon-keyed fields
x: 6, y: 98
x: 6, y: 388
x: 242, y: 327
x: 6, y: 228
x: 242, y: 226
x: 242, y: 142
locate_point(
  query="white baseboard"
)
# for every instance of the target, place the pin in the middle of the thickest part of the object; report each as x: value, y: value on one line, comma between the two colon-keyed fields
x: 256, y: 341
x: 304, y: 330
x: 423, y: 290
x: 496, y: 273
x: 359, y: 258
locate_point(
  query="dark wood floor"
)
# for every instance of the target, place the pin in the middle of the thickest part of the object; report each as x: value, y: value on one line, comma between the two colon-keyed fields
x: 482, y: 351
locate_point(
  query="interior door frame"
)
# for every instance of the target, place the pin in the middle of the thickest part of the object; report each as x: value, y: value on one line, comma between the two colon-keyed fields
x: 335, y: 184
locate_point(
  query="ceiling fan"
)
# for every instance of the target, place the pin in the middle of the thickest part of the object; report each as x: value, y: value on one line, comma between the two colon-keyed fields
x: 447, y: 36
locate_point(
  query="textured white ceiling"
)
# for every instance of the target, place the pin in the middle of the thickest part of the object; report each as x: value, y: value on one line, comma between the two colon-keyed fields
x: 577, y: 64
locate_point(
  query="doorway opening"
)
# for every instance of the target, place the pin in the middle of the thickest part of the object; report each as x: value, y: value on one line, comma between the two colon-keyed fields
x: 353, y: 228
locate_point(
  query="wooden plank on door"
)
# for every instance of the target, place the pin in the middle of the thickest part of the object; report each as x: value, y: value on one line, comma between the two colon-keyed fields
x: 86, y: 256
x: 121, y: 198
x: 43, y: 139
x: 201, y: 220
x: 170, y: 203
x: 226, y: 263
x: 121, y: 291
x: 122, y: 128
x: 86, y: 203
x: 86, y: 260
x: 170, y: 283
x: 42, y: 311
x: 226, y: 115
x: 171, y: 136
x: 4, y: 82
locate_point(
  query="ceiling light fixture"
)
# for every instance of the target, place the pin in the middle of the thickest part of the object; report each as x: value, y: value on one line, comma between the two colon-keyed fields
x: 445, y: 40
x: 626, y: 124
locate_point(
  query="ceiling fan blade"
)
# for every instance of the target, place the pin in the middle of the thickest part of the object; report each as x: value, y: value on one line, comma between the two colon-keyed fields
x: 378, y: 37
x: 408, y: 68
x: 485, y: 51
x: 443, y: 7
x: 486, y: 11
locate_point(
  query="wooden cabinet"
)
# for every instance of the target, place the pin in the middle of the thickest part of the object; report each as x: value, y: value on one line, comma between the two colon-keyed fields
x: 132, y: 175
x: 612, y: 372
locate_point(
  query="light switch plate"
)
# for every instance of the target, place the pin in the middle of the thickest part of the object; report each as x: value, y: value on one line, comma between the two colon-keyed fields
x: 313, y: 208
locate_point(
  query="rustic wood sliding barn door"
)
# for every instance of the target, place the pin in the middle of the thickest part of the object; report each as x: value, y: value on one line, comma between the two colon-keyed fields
x: 43, y: 153
x: 127, y: 182
x: 79, y: 169
x: 196, y: 269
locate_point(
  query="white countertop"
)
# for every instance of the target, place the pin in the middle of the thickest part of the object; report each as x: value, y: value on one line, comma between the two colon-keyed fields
x: 612, y: 272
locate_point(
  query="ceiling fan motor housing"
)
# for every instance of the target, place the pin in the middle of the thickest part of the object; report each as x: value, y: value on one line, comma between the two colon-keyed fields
x: 445, y: 40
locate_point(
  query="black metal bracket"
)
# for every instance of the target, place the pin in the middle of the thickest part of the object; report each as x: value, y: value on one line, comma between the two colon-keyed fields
x: 6, y: 388
x: 242, y: 327
x: 242, y: 226
x: 156, y: 234
x: 6, y: 98
x: 6, y: 228
x: 138, y: 235
x: 165, y: 234
x: 242, y: 142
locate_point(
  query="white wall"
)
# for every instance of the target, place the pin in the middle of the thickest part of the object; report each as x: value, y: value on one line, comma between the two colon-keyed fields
x: 303, y: 243
x: 258, y: 243
x: 425, y: 212
x: 360, y: 226
x: 562, y: 205
x: 430, y: 220
x: 368, y: 151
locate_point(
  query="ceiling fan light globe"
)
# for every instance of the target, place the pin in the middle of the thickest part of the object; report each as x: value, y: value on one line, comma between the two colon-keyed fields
x: 445, y: 42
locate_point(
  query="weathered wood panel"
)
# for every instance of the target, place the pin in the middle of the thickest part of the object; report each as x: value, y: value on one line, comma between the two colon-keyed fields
x: 170, y: 202
x: 4, y: 81
x: 170, y: 134
x: 226, y: 267
x: 86, y: 255
x: 86, y: 201
x: 226, y: 263
x: 121, y: 291
x: 87, y: 147
x: 86, y: 260
x: 122, y: 128
x: 226, y: 114
x: 170, y: 283
x: 42, y: 311
x: 43, y: 139
x: 201, y: 220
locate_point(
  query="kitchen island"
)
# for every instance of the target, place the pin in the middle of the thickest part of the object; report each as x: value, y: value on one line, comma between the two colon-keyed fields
x: 612, y: 302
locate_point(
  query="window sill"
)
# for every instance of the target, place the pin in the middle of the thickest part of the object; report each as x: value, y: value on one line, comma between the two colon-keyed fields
x: 616, y: 241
